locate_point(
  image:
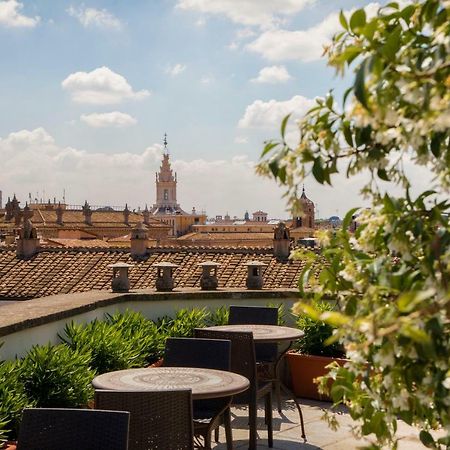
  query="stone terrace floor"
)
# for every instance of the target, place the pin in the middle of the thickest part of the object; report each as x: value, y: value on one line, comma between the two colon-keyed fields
x: 287, y: 430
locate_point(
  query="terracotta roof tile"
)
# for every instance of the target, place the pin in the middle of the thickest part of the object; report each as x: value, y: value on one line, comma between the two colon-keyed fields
x: 66, y: 270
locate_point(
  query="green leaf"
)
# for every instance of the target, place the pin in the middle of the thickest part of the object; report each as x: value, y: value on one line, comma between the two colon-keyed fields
x: 283, y: 125
x: 392, y: 45
x: 357, y: 20
x: 382, y: 174
x: 348, y: 218
x: 343, y: 20
x: 268, y: 147
x: 359, y: 87
x: 318, y: 171
x: 427, y: 439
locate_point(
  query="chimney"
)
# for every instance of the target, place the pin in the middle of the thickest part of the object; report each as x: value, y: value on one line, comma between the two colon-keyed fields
x: 126, y: 215
x: 8, y: 210
x: 146, y: 215
x: 281, y: 242
x: 28, y: 242
x: 164, y: 277
x: 87, y: 212
x: 59, y: 214
x: 208, y: 281
x: 28, y: 213
x: 254, y: 274
x: 139, y: 240
x: 120, y: 281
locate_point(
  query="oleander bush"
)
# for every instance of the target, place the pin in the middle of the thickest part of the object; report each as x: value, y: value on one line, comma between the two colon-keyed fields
x: 219, y: 316
x: 13, y: 399
x: 318, y: 333
x: 56, y: 376
x: 108, y: 348
x: 144, y: 334
x: 186, y: 320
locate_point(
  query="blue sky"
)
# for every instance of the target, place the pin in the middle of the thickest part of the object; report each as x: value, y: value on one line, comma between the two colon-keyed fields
x: 88, y: 90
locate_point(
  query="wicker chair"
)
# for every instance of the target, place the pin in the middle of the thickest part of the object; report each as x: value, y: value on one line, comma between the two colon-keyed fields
x: 266, y: 354
x: 72, y: 429
x: 209, y: 354
x: 158, y: 419
x: 243, y: 361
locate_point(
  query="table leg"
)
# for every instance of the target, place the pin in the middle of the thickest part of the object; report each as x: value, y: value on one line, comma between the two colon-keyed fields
x: 287, y: 391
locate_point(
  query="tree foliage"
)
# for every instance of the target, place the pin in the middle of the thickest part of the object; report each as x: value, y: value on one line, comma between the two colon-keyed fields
x: 391, y: 277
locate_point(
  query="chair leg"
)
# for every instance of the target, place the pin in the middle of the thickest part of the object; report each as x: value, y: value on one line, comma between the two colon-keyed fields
x: 252, y: 416
x: 268, y: 413
x: 228, y: 432
x: 216, y: 434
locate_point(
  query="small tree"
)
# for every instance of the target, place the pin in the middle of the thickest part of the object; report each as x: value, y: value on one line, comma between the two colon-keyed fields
x: 391, y: 278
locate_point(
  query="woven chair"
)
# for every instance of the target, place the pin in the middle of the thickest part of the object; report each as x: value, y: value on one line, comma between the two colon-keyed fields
x: 243, y: 362
x: 266, y: 354
x: 206, y: 354
x: 73, y: 429
x: 158, y: 419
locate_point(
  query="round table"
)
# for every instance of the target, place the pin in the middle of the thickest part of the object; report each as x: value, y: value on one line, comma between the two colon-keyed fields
x: 264, y: 333
x: 204, y: 383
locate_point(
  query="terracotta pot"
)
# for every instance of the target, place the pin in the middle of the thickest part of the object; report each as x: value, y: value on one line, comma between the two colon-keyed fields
x: 304, y: 369
x: 158, y: 363
x: 12, y: 445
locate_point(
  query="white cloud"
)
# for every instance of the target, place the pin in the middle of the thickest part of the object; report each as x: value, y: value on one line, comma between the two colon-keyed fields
x: 102, y: 86
x: 112, y: 119
x: 33, y: 160
x: 11, y: 17
x: 240, y: 140
x: 304, y: 45
x: 272, y: 75
x: 247, y: 12
x: 91, y: 17
x: 200, y: 22
x: 176, y: 70
x: 268, y: 115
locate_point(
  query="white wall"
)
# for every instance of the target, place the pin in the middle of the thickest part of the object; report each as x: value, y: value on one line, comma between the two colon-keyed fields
x: 17, y: 344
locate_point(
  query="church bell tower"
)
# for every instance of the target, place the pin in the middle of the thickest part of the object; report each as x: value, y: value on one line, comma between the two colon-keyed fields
x: 166, y: 184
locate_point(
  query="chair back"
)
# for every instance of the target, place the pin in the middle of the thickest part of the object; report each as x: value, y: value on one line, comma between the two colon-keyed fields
x: 158, y: 419
x: 260, y: 315
x: 243, y: 360
x: 72, y: 429
x: 203, y: 353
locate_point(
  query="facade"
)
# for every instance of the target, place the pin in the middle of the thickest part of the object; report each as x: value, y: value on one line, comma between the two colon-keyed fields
x: 166, y: 208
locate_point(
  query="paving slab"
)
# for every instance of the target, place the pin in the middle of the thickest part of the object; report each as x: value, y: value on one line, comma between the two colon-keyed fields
x: 287, y: 430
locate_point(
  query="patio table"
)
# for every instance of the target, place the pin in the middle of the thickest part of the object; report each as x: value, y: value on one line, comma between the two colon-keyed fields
x: 271, y: 334
x: 204, y: 383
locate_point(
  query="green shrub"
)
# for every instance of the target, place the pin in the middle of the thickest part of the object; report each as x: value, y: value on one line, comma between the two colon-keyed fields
x: 12, y: 399
x: 219, y: 316
x: 316, y: 333
x: 281, y: 313
x: 144, y: 335
x: 109, y: 350
x: 57, y: 376
x: 186, y: 320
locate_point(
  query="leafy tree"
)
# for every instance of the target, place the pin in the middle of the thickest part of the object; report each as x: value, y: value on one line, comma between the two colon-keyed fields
x: 391, y: 277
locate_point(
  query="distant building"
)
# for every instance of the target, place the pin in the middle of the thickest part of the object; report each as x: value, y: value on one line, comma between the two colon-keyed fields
x: 166, y: 209
x: 61, y: 221
x: 259, y: 216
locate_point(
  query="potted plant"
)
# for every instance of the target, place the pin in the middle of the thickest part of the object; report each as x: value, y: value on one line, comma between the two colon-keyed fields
x: 312, y: 354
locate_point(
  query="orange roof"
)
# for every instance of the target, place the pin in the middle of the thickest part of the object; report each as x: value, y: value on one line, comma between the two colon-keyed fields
x: 62, y: 270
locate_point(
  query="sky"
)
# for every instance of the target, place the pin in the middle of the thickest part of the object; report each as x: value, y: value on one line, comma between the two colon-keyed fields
x: 88, y: 89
